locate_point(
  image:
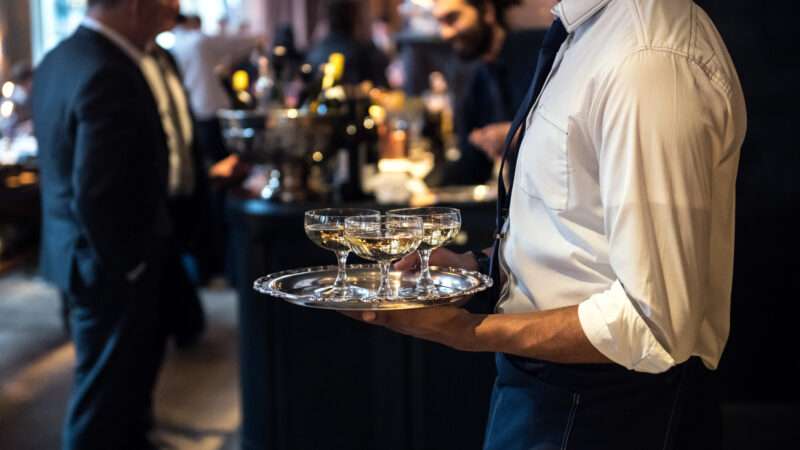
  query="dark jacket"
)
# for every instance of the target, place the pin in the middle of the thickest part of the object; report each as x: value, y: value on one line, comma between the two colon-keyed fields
x: 494, y: 95
x: 103, y: 162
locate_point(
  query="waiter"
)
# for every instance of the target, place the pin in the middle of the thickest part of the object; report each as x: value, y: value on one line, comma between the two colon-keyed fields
x: 617, y: 252
x: 107, y: 171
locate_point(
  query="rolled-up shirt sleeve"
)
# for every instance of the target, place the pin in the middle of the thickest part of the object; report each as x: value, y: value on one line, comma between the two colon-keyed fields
x: 656, y: 139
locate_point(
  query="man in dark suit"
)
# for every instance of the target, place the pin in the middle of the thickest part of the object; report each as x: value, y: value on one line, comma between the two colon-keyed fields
x: 104, y: 170
x: 188, y: 206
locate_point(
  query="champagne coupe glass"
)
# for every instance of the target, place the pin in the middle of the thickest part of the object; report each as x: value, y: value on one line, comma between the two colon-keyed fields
x: 440, y: 225
x: 325, y: 227
x: 383, y: 239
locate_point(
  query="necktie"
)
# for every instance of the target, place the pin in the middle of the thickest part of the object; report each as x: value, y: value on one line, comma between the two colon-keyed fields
x: 553, y: 39
x: 185, y: 171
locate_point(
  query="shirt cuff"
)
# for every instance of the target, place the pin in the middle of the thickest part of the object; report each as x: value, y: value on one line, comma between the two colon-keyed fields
x: 613, y: 326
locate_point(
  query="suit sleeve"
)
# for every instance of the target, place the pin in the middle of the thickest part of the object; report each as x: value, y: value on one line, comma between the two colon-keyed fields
x: 114, y: 210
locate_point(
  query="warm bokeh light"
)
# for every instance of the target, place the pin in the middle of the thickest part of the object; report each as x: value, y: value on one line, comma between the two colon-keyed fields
x: 166, y: 40
x: 393, y: 165
x: 377, y: 113
x: 8, y: 89
x: 6, y: 109
x: 240, y: 81
x: 479, y: 192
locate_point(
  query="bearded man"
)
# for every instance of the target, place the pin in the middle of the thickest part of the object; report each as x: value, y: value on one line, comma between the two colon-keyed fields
x: 506, y: 60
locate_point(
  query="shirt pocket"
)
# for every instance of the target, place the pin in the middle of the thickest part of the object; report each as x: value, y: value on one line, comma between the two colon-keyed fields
x: 542, y: 168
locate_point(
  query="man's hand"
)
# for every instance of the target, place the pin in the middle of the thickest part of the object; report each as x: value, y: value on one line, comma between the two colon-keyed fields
x: 491, y: 138
x: 450, y: 326
x: 229, y: 170
x: 440, y: 257
x: 446, y: 325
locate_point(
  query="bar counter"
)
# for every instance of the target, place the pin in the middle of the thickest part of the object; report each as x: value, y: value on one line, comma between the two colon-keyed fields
x: 317, y: 379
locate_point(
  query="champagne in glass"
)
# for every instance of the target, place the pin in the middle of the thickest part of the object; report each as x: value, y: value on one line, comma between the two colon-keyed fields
x: 440, y: 226
x: 325, y: 227
x: 383, y: 239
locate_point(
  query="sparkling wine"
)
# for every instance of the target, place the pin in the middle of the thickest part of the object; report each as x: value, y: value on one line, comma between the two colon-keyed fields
x: 328, y: 236
x: 435, y: 235
x: 389, y: 247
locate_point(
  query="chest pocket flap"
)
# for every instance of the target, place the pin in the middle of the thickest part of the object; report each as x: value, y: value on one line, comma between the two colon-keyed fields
x: 542, y: 168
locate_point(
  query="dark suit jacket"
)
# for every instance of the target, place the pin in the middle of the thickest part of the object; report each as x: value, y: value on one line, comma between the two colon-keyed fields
x: 103, y: 162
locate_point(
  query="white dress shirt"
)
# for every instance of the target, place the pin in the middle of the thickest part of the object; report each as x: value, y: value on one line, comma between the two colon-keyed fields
x: 198, y: 56
x: 152, y: 73
x: 623, y: 195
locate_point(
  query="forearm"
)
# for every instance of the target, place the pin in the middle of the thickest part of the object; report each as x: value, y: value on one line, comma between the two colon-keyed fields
x: 554, y: 335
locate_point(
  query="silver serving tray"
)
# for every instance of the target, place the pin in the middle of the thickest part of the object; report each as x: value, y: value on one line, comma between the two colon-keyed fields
x: 298, y: 285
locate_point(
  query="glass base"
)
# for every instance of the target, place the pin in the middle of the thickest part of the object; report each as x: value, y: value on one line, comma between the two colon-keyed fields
x: 424, y: 292
x: 341, y: 294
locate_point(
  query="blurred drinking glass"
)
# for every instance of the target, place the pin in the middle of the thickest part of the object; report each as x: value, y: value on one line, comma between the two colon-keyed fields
x: 325, y: 227
x: 439, y: 226
x: 383, y: 239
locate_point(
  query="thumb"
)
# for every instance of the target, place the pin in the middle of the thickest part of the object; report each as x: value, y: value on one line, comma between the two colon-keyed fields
x: 408, y: 262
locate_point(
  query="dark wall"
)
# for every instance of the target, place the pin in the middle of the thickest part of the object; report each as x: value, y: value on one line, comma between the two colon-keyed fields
x: 764, y: 42
x: 761, y: 361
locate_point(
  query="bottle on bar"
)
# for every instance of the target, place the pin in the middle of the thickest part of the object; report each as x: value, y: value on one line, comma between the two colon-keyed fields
x: 310, y: 81
x: 338, y: 104
x: 236, y: 85
x: 264, y: 89
x: 332, y: 95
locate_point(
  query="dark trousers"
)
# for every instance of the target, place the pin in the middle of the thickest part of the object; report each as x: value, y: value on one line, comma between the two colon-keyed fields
x: 212, y: 148
x: 183, y: 311
x: 119, y: 346
x: 542, y: 406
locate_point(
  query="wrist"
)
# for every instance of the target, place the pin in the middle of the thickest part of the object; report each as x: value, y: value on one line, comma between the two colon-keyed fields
x: 468, y: 339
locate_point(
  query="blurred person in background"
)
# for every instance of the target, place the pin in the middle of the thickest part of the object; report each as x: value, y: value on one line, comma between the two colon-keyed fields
x: 477, y: 30
x: 347, y: 34
x: 106, y: 178
x: 200, y: 58
x: 188, y: 204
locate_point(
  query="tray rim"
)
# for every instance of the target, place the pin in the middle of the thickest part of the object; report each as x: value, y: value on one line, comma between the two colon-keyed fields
x: 260, y: 283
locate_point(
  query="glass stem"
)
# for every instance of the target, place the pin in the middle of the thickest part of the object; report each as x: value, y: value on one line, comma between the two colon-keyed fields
x: 425, y: 279
x: 383, y: 288
x: 341, y: 274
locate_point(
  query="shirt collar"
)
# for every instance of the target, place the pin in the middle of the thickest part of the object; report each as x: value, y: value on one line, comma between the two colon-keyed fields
x: 119, y: 40
x: 575, y: 12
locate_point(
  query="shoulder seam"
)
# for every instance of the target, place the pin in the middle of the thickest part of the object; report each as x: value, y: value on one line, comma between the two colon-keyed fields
x: 640, y: 29
x: 714, y: 76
